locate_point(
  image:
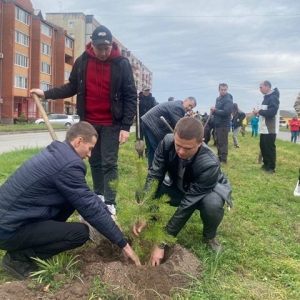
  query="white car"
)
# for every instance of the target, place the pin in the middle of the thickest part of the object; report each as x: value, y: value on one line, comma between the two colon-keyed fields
x: 61, y: 119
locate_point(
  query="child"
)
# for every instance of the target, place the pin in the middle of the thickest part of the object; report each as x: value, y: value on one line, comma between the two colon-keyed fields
x: 254, y: 124
x: 294, y: 127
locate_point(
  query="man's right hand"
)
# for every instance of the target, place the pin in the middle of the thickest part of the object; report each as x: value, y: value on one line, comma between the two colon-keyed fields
x: 138, y: 227
x: 39, y: 92
x: 130, y: 254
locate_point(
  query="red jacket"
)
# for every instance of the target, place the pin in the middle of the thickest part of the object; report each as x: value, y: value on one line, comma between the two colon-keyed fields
x: 294, y: 125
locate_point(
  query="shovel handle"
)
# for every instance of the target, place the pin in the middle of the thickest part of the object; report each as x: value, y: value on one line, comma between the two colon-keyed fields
x: 44, y: 116
x: 166, y: 122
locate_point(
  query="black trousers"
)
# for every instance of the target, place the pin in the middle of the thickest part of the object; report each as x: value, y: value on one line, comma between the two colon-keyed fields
x: 210, y: 207
x: 46, y: 238
x: 221, y: 137
x: 268, y: 150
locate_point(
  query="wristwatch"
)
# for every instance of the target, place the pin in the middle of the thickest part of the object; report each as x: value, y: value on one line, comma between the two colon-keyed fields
x: 161, y: 246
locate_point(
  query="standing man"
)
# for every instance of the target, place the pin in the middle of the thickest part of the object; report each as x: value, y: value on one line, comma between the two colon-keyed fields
x: 268, y: 125
x: 196, y: 183
x: 222, y: 115
x: 106, y: 98
x: 145, y: 103
x: 237, y: 119
x: 39, y: 197
x: 155, y: 129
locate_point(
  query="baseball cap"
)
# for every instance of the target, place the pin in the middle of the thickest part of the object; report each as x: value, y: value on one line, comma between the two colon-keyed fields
x: 146, y: 87
x: 101, y: 35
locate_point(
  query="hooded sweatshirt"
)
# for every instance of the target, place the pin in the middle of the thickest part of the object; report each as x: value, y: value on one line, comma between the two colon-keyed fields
x: 97, y: 100
x: 269, y: 113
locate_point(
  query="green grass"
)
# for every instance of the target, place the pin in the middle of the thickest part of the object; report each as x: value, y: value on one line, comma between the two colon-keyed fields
x: 261, y: 234
x: 27, y: 127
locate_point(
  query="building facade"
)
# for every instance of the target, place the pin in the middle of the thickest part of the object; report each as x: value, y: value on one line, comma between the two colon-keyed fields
x: 81, y: 27
x: 36, y: 54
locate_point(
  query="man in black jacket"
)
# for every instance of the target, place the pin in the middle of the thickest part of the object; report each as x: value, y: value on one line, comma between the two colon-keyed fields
x: 196, y: 183
x: 155, y: 129
x: 106, y: 98
x: 39, y: 197
x: 222, y: 115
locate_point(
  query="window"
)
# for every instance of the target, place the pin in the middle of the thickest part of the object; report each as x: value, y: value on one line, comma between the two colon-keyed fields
x: 45, y: 68
x: 22, y: 15
x: 45, y: 86
x: 21, y: 60
x: 21, y: 38
x: 71, y: 24
x: 67, y: 75
x: 69, y: 43
x: 21, y: 82
x: 46, y: 49
x: 46, y: 30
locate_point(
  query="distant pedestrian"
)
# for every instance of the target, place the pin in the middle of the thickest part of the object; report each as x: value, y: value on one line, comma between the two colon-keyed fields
x: 222, y: 115
x: 171, y: 99
x: 294, y: 128
x: 254, y: 125
x: 237, y: 118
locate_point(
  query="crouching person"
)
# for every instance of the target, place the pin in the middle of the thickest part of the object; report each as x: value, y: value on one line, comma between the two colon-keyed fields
x: 39, y: 197
x: 196, y: 183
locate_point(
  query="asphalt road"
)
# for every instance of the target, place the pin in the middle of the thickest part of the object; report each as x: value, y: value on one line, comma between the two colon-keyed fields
x: 16, y: 141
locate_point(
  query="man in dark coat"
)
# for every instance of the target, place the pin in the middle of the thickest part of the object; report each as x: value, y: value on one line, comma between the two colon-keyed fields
x: 106, y: 98
x: 196, y: 183
x: 222, y: 116
x: 39, y: 197
x: 155, y: 129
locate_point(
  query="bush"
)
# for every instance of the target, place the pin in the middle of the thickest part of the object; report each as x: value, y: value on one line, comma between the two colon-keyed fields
x: 21, y: 119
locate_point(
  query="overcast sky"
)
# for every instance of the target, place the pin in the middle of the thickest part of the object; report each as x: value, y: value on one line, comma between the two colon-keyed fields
x: 192, y: 46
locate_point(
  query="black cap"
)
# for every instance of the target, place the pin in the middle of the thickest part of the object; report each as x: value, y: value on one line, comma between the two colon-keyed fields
x: 101, y: 35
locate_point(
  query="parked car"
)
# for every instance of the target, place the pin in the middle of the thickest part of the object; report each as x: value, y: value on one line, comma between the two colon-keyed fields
x: 61, y: 119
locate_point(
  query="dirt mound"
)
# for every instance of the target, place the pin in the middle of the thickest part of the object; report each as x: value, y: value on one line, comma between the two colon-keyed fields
x: 118, y: 276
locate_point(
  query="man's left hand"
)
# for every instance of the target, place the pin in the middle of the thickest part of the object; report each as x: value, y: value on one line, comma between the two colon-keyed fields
x: 157, y: 256
x: 123, y: 137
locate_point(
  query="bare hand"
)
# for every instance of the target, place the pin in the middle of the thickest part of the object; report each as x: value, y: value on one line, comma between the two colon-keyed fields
x: 157, y: 256
x: 39, y: 93
x: 212, y: 109
x: 123, y: 137
x: 138, y: 227
x: 130, y: 254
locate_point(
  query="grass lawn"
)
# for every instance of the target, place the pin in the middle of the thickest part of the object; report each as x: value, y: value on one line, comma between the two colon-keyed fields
x: 261, y: 234
x: 27, y: 127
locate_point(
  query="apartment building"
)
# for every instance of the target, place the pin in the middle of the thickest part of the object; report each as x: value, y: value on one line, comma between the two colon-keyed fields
x: 33, y: 54
x: 80, y: 27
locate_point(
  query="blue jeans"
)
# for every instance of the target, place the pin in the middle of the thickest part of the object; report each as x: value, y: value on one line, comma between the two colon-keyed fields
x: 294, y: 135
x: 151, y: 143
x: 104, y: 161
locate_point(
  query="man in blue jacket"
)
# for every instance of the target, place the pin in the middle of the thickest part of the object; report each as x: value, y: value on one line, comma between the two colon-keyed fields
x: 39, y: 197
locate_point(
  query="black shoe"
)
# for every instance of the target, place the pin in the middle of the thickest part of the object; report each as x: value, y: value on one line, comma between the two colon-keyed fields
x: 19, y: 269
x: 213, y: 245
x: 270, y: 171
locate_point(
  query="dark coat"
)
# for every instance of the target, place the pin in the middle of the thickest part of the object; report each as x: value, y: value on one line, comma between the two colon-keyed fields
x: 146, y: 103
x: 202, y: 176
x: 122, y: 90
x: 172, y: 111
x: 46, y: 182
x: 222, y: 113
x: 238, y: 118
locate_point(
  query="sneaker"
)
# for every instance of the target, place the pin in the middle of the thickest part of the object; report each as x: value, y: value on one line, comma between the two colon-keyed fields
x: 101, y: 197
x: 213, y: 245
x: 19, y: 269
x: 112, y: 209
x: 236, y: 146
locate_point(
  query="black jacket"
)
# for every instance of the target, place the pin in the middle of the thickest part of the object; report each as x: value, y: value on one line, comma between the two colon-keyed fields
x: 172, y: 111
x: 122, y: 90
x: 46, y: 182
x: 238, y: 118
x: 146, y: 103
x: 223, y: 111
x: 202, y: 176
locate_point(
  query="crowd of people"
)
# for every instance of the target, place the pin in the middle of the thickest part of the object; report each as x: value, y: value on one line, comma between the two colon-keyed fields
x: 34, y: 209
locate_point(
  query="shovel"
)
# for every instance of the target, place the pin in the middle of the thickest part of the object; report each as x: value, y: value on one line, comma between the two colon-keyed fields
x: 44, y: 116
x: 139, y: 144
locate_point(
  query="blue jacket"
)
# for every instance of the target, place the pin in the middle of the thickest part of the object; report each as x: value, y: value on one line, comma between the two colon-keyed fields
x: 38, y: 189
x: 223, y: 110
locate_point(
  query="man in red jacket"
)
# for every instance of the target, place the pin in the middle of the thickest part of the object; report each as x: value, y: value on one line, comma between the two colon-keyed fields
x: 106, y: 98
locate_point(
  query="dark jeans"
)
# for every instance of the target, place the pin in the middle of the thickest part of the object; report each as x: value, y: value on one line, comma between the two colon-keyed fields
x: 221, y: 135
x: 104, y: 161
x: 151, y: 143
x: 294, y: 135
x: 46, y: 238
x: 210, y: 207
x: 268, y: 150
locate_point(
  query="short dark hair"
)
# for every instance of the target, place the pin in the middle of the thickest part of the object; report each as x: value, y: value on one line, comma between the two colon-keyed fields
x: 223, y: 84
x: 267, y: 83
x: 193, y: 99
x: 83, y: 129
x: 170, y: 98
x: 188, y: 128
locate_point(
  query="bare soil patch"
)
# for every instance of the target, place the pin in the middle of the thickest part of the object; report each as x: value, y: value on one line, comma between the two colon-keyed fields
x: 121, y: 278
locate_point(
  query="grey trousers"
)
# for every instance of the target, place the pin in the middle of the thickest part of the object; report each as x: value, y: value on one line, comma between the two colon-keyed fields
x: 235, y: 134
